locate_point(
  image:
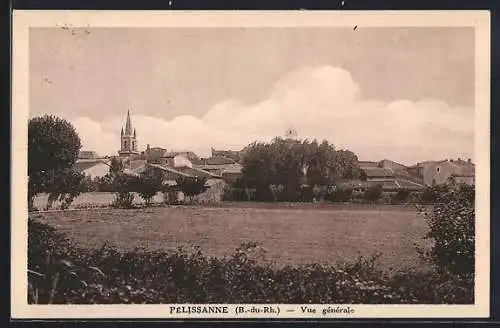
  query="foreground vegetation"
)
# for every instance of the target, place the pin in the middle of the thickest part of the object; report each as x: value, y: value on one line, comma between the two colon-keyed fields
x: 62, y: 273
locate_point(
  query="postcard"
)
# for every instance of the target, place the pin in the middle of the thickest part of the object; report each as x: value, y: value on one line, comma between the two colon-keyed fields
x: 236, y: 165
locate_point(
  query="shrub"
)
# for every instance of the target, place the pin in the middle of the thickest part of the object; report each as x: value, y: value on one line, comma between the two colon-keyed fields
x: 107, y: 276
x: 306, y: 194
x: 373, y: 193
x: 452, y: 231
x: 191, y: 187
x: 234, y: 194
x: 340, y: 194
x: 432, y: 195
x: 124, y: 185
x: 149, y: 183
x: 123, y: 199
x: 401, y: 196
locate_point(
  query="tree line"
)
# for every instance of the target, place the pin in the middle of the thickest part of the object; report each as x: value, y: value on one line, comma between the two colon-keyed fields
x: 290, y: 170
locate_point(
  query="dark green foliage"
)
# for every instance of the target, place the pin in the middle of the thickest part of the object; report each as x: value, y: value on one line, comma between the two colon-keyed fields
x: 53, y: 144
x: 373, y: 193
x: 191, y: 187
x: 452, y: 231
x: 110, y: 182
x: 124, y: 185
x: 292, y: 165
x: 432, y: 195
x: 362, y: 175
x: 149, y: 183
x: 401, y: 196
x: 238, y: 194
x: 340, y: 194
x: 87, y: 184
x: 64, y: 185
x: 123, y: 199
x: 115, y: 166
x: 107, y: 276
x: 53, y: 147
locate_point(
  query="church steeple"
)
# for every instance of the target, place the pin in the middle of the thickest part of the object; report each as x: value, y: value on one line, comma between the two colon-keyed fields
x: 128, y: 125
x: 128, y: 139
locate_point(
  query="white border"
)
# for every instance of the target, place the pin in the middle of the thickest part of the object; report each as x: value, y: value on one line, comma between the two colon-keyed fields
x: 23, y: 20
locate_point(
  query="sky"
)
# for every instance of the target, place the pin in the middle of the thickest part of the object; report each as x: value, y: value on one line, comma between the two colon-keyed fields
x: 405, y: 94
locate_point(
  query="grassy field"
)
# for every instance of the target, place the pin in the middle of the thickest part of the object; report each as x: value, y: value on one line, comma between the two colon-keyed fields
x: 289, y: 234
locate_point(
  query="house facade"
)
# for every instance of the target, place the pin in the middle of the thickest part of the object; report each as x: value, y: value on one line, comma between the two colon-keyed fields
x: 447, y: 171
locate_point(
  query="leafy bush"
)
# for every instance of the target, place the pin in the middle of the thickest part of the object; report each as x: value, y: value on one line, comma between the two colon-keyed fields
x: 338, y: 194
x: 107, y: 276
x: 123, y: 199
x: 452, y: 230
x: 124, y: 185
x: 373, y: 193
x: 401, y: 196
x: 191, y: 187
x: 432, y: 195
x: 149, y: 183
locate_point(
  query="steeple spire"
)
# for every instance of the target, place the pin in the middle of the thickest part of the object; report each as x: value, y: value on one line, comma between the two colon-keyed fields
x: 128, y: 125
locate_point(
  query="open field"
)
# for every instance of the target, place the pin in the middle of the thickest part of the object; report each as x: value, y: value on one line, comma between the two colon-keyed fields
x: 305, y: 234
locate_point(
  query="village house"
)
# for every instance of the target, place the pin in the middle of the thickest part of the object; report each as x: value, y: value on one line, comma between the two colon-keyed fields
x: 392, y: 176
x: 226, y: 167
x: 446, y: 171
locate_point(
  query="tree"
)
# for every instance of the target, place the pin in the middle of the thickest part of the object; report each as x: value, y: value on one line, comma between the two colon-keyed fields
x: 150, y: 182
x: 53, y: 147
x: 452, y: 230
x: 64, y: 186
x: 362, y: 175
x: 373, y: 193
x: 124, y: 185
x: 347, y: 165
x: 53, y: 144
x: 191, y: 186
x: 115, y: 166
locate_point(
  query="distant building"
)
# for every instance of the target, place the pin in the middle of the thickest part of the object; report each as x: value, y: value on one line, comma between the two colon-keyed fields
x: 392, y: 176
x: 447, y: 171
x: 128, y: 139
x: 87, y: 154
x: 235, y: 155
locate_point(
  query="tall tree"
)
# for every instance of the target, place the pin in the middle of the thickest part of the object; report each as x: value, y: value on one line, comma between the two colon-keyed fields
x: 191, y: 187
x: 292, y: 164
x: 150, y: 182
x: 348, y: 165
x: 53, y: 147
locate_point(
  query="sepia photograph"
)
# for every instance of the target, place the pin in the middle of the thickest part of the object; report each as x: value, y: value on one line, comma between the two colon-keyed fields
x: 251, y: 164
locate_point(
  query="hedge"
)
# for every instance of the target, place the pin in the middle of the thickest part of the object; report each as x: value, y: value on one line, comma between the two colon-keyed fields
x: 63, y: 273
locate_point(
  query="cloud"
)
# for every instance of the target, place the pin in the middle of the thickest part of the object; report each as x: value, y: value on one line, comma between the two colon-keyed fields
x: 318, y: 102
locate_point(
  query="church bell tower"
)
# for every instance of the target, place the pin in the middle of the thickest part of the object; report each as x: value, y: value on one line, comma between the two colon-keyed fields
x: 128, y: 139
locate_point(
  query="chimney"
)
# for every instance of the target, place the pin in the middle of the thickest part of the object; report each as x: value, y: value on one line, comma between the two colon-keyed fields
x: 147, y: 147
